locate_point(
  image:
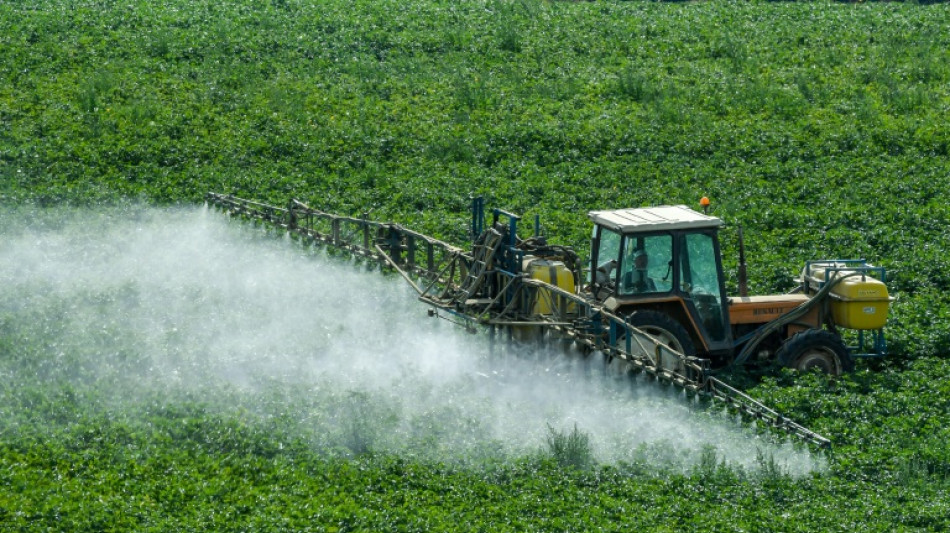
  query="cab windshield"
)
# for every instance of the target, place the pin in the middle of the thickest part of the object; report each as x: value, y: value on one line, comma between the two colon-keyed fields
x: 646, y: 265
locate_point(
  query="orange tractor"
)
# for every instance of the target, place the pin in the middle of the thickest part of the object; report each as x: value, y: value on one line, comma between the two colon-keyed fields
x: 661, y: 269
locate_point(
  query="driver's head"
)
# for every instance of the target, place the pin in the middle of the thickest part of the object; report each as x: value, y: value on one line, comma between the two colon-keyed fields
x: 640, y: 259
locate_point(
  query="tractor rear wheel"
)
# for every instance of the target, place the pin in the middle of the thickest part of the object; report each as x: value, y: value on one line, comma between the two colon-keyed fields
x: 665, y: 329
x: 816, y: 348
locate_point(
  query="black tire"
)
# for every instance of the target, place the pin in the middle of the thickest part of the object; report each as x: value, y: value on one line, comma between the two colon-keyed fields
x: 816, y: 348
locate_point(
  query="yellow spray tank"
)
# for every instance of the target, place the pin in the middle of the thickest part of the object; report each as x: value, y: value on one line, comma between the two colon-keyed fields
x: 857, y: 300
x: 543, y: 303
x: 555, y: 273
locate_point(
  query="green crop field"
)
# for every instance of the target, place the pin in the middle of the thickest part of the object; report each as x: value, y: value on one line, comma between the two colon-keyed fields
x: 819, y: 127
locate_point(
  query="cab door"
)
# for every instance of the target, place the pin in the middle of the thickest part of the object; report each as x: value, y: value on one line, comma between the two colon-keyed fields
x: 703, y: 289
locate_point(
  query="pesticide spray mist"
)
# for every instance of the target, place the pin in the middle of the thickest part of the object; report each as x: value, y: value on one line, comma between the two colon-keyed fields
x: 185, y: 303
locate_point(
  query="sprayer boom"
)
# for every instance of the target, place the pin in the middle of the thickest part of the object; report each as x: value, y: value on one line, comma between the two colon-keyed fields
x: 524, y: 288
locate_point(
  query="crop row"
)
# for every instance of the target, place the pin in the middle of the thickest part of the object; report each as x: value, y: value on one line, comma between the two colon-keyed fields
x: 819, y: 127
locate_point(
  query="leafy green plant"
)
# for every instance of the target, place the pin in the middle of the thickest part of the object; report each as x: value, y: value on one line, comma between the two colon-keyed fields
x: 570, y: 449
x: 820, y: 128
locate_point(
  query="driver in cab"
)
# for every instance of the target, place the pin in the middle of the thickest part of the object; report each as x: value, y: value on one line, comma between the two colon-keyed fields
x: 636, y: 279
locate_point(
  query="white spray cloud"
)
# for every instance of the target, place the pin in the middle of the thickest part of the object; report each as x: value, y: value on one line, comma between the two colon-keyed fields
x: 185, y: 299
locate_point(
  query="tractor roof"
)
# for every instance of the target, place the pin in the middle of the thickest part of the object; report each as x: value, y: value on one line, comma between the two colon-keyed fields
x: 659, y: 218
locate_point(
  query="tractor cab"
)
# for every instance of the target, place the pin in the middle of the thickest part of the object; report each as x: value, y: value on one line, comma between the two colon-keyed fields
x: 663, y: 263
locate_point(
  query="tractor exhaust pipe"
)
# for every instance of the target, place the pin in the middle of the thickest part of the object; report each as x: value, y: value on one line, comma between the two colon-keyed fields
x: 743, y: 278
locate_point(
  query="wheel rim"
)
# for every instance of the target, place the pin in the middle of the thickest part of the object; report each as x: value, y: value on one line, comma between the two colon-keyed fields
x: 823, y: 359
x: 662, y: 358
x: 664, y: 336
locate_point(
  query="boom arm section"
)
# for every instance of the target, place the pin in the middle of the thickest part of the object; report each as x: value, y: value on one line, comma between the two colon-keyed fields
x: 491, y: 286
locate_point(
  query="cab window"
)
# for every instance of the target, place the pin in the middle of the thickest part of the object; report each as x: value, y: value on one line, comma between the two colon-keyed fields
x: 647, y: 265
x: 608, y: 254
x: 700, y: 280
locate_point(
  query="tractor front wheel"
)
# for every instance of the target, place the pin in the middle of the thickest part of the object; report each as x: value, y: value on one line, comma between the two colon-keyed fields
x: 816, y: 348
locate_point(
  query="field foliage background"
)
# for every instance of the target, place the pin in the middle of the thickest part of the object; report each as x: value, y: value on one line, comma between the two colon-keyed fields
x: 821, y: 128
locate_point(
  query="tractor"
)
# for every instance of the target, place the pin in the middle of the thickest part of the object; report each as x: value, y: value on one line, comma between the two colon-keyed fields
x: 661, y: 269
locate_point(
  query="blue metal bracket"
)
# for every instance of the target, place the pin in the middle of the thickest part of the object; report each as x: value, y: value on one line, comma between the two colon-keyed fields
x: 478, y: 217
